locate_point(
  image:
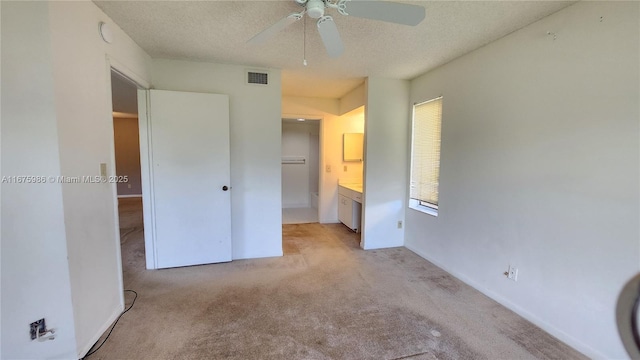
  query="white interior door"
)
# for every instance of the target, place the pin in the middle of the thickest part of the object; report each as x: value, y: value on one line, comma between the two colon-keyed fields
x: 190, y: 177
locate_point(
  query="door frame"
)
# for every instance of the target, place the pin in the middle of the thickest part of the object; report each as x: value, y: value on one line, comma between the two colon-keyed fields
x: 113, y: 64
x: 146, y: 179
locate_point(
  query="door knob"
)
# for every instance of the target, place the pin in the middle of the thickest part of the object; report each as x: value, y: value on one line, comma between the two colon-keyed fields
x: 225, y: 188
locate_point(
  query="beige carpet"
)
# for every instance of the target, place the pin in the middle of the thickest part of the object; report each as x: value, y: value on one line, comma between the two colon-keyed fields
x: 299, y: 215
x: 325, y: 299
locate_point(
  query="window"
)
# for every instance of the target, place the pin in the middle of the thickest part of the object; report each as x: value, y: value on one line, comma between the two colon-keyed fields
x: 425, y: 156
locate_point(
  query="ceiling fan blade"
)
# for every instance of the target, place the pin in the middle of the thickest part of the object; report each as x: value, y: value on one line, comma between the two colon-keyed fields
x: 330, y: 36
x: 272, y: 30
x: 405, y: 14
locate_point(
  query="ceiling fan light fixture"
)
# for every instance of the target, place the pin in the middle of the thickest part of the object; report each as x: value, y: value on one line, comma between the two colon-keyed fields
x: 389, y: 11
x: 315, y: 9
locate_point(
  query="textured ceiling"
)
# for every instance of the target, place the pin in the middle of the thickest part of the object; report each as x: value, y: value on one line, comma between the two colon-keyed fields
x: 217, y: 31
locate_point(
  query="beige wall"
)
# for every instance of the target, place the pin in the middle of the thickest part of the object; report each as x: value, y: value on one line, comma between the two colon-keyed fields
x: 127, y: 146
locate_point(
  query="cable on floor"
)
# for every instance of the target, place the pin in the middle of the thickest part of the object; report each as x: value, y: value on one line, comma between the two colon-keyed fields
x: 410, y: 356
x: 112, y: 326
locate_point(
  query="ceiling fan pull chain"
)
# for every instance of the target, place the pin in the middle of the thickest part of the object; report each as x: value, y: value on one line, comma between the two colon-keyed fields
x: 304, y: 42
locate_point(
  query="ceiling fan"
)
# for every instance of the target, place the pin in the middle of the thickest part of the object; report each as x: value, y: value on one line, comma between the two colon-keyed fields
x: 398, y: 13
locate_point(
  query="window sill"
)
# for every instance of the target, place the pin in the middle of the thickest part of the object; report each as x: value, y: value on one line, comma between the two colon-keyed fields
x: 415, y: 205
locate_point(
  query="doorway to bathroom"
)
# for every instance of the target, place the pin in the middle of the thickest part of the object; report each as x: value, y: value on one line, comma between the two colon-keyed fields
x: 300, y: 170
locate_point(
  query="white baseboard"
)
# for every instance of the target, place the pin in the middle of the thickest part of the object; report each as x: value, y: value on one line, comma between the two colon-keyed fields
x: 130, y: 196
x: 561, y: 335
x: 278, y: 253
x: 329, y: 221
x: 82, y: 351
x: 297, y: 206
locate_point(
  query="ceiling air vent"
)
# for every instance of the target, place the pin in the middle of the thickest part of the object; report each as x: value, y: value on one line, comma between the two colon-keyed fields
x: 257, y: 78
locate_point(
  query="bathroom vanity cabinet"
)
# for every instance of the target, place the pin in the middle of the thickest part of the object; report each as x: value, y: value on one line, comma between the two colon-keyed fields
x: 350, y: 205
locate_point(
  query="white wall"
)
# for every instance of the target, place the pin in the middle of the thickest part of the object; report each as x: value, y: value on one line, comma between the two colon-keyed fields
x: 386, y: 137
x: 255, y: 131
x: 539, y: 169
x: 81, y: 268
x: 35, y: 272
x: 332, y: 127
x: 85, y: 129
x: 297, y: 179
x: 314, y: 157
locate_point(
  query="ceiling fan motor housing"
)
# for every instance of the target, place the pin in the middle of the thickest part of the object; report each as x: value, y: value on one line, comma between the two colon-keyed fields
x: 315, y: 8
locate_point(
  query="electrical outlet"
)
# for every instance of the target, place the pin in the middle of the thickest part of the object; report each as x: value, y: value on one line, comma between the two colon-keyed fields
x: 345, y: 168
x: 513, y: 273
x: 400, y: 224
x: 37, y: 327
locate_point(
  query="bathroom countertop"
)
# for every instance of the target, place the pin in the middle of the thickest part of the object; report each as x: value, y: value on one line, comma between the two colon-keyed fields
x: 357, y: 187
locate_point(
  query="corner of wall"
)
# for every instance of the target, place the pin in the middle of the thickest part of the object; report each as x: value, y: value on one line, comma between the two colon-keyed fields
x: 34, y: 260
x: 386, y: 161
x: 353, y: 99
x: 517, y: 183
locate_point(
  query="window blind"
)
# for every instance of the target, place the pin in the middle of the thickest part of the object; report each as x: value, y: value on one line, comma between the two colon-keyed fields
x: 425, y: 155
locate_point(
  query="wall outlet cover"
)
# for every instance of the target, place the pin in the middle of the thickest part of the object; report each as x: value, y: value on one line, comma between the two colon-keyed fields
x: 513, y: 273
x: 37, y: 327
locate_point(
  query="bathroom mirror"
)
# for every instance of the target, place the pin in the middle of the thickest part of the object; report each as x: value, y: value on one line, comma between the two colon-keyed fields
x: 352, y: 145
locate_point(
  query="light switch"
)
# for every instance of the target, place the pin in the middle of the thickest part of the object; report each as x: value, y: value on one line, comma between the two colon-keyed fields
x: 345, y: 168
x: 103, y: 169
x: 328, y: 168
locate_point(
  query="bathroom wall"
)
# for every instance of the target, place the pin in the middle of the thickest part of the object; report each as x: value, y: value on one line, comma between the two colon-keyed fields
x: 300, y: 140
x: 351, y: 122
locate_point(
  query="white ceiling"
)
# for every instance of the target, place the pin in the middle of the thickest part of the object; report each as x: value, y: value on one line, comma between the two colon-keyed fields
x: 217, y: 31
